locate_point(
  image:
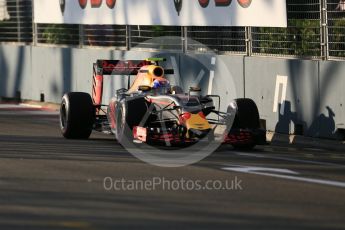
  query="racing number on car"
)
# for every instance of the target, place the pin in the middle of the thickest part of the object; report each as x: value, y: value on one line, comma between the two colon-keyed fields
x: 97, y: 3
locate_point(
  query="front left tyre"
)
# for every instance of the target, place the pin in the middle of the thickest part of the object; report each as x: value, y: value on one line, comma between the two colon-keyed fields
x: 77, y: 115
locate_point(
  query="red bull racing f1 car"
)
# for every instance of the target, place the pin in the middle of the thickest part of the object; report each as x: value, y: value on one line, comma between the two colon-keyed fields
x: 150, y: 110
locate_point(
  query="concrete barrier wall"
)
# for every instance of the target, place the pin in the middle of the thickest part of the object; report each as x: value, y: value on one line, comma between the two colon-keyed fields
x: 332, y: 98
x: 293, y: 96
x: 15, y: 71
x: 267, y: 79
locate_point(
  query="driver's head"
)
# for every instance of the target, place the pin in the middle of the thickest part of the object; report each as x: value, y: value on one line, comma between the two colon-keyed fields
x: 161, y: 86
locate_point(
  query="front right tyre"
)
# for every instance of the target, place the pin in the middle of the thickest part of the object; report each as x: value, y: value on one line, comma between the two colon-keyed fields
x: 247, y: 117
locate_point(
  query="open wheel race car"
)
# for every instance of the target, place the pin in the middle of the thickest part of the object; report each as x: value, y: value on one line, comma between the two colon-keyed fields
x: 152, y: 111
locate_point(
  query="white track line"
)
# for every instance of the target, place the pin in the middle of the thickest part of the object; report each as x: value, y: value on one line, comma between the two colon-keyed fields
x: 255, y: 171
x: 289, y: 159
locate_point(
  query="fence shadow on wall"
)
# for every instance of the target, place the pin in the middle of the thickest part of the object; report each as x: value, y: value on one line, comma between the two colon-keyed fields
x: 289, y: 123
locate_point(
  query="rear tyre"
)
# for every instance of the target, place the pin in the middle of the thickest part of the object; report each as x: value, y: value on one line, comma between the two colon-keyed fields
x: 129, y: 113
x: 77, y: 115
x: 247, y: 117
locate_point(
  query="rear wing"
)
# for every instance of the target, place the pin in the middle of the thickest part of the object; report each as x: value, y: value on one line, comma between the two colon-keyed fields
x: 117, y: 67
x: 129, y: 67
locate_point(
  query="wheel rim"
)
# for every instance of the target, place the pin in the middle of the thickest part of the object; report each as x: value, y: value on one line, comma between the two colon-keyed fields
x: 119, y: 123
x: 63, y: 116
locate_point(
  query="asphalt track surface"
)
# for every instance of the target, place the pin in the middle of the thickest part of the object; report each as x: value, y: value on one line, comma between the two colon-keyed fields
x: 48, y: 182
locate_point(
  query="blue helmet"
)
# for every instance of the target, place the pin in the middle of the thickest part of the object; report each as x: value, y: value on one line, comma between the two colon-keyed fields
x: 157, y: 84
x: 161, y: 87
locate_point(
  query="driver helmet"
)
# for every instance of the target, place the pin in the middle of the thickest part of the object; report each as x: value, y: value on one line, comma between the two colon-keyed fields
x: 161, y: 86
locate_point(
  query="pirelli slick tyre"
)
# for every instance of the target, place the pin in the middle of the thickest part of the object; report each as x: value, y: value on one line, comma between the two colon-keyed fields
x: 247, y: 117
x: 129, y: 113
x: 77, y: 115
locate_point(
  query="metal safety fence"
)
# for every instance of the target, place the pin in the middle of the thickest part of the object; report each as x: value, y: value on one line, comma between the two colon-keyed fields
x: 16, y: 21
x: 336, y: 28
x: 316, y: 29
x: 302, y: 37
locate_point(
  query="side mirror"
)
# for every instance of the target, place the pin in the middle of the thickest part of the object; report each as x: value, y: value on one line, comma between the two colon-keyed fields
x: 195, y: 89
x: 144, y: 88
